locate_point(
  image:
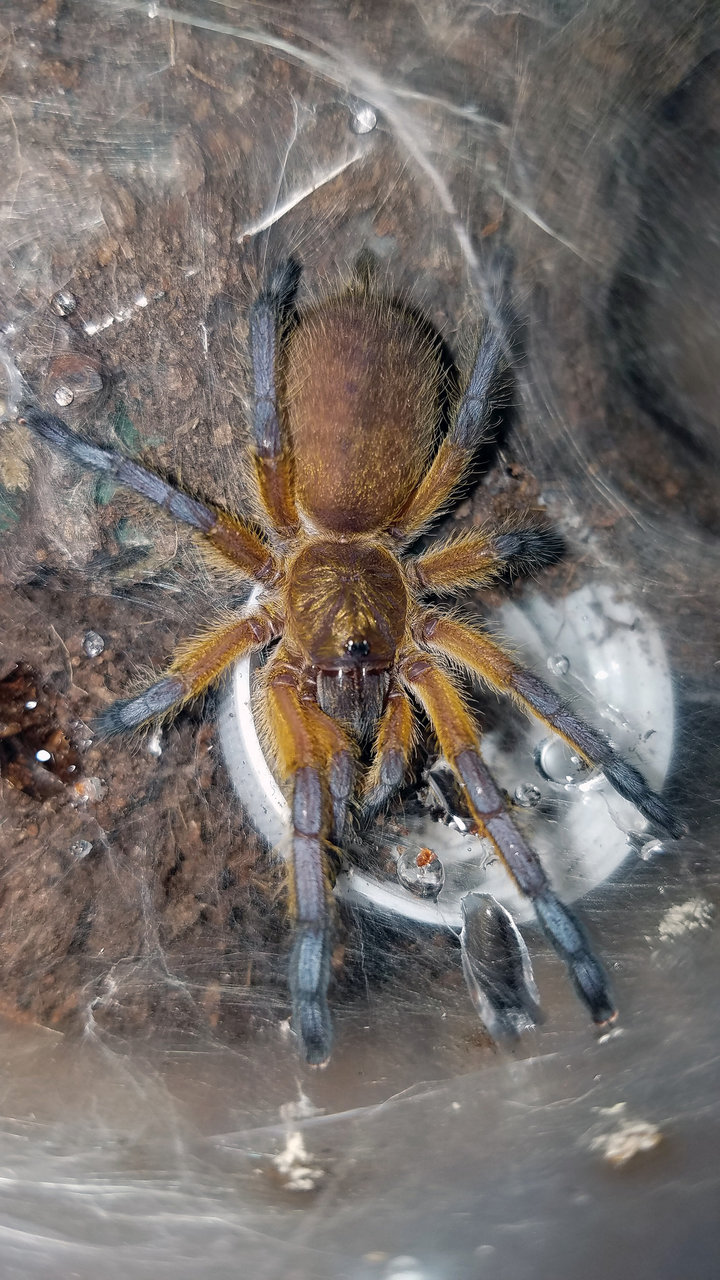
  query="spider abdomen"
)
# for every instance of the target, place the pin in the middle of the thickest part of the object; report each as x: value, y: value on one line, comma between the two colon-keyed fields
x: 361, y: 407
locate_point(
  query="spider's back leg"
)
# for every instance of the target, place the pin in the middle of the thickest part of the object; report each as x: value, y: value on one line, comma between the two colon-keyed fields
x: 271, y: 453
x: 459, y: 447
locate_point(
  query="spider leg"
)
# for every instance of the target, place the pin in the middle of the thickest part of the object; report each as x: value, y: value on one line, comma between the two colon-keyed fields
x: 314, y: 759
x: 273, y: 464
x: 455, y: 455
x: 520, y: 544
x: 235, y: 541
x: 393, y: 748
x: 458, y: 740
x: 485, y: 658
x: 196, y: 664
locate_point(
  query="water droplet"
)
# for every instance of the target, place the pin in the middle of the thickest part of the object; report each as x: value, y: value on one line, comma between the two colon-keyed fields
x: 81, y: 848
x: 557, y: 762
x: 527, y: 796
x: 422, y: 873
x: 651, y: 849
x: 93, y: 644
x: 63, y: 303
x: 31, y: 705
x: 43, y: 756
x: 497, y: 967
x: 364, y: 118
x: 64, y: 396
x: 558, y: 664
x: 90, y: 790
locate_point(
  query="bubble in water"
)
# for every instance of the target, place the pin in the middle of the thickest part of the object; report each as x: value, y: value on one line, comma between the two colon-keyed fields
x: 43, y: 756
x: 557, y: 762
x: 422, y: 873
x: 153, y: 745
x: 80, y: 849
x: 364, y: 118
x: 558, y: 664
x: 31, y: 705
x: 93, y: 644
x: 63, y: 303
x: 527, y: 796
x: 64, y: 396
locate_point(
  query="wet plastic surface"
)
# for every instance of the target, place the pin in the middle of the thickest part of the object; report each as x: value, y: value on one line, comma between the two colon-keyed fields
x: 155, y: 1120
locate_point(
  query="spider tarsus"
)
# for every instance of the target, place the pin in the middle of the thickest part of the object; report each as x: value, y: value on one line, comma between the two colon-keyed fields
x: 525, y: 549
x: 309, y: 977
x: 282, y: 286
x: 129, y: 713
x: 565, y: 933
x: 56, y: 432
x: 630, y: 784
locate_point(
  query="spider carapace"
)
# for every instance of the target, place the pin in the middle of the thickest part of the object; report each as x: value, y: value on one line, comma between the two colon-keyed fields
x: 348, y: 471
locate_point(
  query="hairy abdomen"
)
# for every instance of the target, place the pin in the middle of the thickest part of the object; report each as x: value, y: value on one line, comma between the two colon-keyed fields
x: 361, y: 397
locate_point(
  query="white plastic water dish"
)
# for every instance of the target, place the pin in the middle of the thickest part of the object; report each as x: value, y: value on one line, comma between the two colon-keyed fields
x: 601, y: 653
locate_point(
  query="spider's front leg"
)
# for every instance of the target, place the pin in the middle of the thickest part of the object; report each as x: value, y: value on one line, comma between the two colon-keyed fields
x: 314, y: 760
x: 483, y: 657
x: 458, y: 740
x: 235, y: 542
x: 196, y: 664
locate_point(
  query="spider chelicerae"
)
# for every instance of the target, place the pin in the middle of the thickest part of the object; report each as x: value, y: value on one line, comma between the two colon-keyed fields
x: 348, y: 473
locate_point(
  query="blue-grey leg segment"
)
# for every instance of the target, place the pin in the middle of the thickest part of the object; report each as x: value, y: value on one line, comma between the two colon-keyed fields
x: 309, y: 978
x: 470, y: 421
x: 125, y: 472
x: 309, y: 972
x: 557, y: 922
x: 130, y: 713
x: 625, y: 778
x: 266, y: 317
x: 566, y: 935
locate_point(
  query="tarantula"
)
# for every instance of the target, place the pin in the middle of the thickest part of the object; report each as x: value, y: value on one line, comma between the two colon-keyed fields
x: 348, y: 473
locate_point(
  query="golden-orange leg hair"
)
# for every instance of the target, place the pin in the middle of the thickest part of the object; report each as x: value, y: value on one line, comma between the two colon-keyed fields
x: 393, y: 749
x: 485, y: 658
x: 314, y: 759
x: 272, y: 459
x: 456, y: 453
x: 196, y: 664
x: 458, y: 739
x: 519, y: 544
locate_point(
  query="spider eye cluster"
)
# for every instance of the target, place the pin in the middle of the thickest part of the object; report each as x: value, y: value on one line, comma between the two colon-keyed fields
x: 358, y: 648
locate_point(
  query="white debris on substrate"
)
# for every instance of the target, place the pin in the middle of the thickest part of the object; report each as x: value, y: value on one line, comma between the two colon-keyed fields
x: 685, y: 917
x: 627, y: 1139
x: 295, y: 1163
